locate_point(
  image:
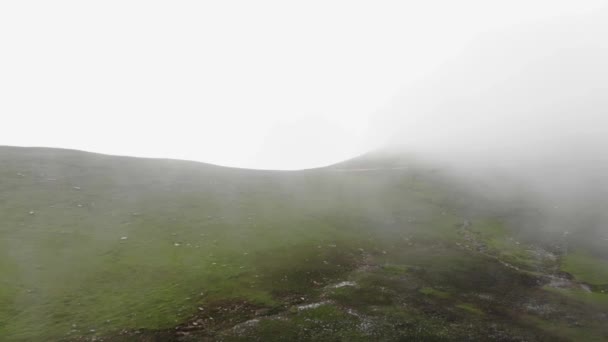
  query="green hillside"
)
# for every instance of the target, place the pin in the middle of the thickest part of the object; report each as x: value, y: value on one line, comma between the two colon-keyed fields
x: 96, y: 247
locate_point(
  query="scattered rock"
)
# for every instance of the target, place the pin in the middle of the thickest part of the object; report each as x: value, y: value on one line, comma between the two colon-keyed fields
x: 312, y: 306
x: 485, y: 296
x: 247, y: 324
x: 262, y: 312
x: 344, y: 284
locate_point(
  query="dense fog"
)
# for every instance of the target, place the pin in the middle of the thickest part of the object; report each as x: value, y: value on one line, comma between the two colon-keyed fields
x: 522, y: 110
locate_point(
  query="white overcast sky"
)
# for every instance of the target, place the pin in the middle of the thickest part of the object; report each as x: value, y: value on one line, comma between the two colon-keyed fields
x: 260, y: 84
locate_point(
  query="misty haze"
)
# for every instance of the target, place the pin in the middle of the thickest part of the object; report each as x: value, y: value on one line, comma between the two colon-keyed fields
x: 328, y: 171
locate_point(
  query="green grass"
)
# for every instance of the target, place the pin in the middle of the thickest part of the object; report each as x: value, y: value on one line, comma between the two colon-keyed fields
x: 396, y: 269
x: 198, y: 235
x: 429, y: 291
x: 502, y: 243
x: 470, y: 308
x: 580, y: 295
x: 591, y: 332
x: 190, y: 229
x: 586, y: 268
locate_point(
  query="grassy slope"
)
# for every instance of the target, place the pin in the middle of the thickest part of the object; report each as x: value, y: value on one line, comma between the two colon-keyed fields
x: 587, y: 268
x: 198, y: 235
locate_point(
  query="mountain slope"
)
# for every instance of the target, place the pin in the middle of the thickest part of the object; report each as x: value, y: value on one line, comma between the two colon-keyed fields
x: 116, y: 248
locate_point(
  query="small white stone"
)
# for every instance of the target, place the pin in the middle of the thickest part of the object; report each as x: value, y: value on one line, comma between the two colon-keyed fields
x: 312, y: 306
x: 343, y: 284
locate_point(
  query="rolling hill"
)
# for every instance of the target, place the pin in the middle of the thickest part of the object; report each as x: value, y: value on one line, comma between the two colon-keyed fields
x: 381, y: 247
